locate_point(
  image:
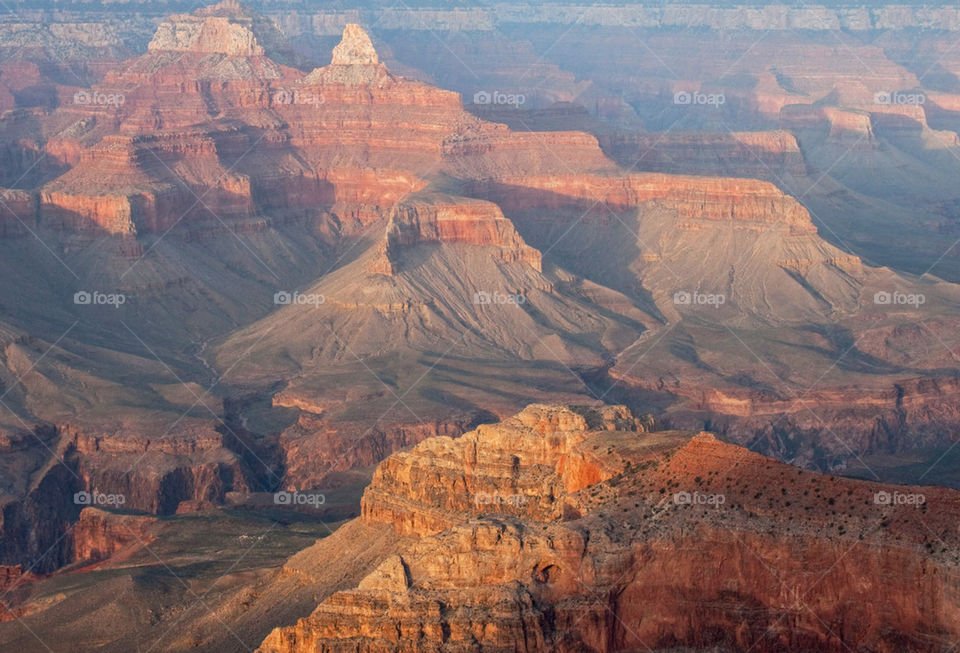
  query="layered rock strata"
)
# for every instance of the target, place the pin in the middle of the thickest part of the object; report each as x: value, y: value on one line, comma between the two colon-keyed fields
x: 690, y: 543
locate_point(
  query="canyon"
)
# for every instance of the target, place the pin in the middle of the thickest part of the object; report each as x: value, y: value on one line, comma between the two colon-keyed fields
x: 265, y: 248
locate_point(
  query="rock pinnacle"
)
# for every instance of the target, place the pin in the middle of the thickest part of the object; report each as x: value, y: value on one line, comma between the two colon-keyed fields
x: 354, y: 48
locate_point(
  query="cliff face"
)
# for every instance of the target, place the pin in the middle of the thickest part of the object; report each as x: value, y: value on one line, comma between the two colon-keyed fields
x: 99, y: 534
x: 208, y: 113
x: 894, y: 418
x: 768, y: 17
x: 455, y: 221
x: 209, y: 34
x: 700, y: 198
x: 194, y: 467
x: 611, y: 560
x: 18, y: 212
x: 765, y: 155
x: 52, y: 524
x: 522, y: 467
x: 315, y: 451
x: 32, y: 529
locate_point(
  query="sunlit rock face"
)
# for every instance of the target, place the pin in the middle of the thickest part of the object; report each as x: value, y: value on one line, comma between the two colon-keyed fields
x: 355, y: 48
x: 576, y: 529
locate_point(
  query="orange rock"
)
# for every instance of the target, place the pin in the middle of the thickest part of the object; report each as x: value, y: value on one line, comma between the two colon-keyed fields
x: 785, y: 559
x: 99, y: 534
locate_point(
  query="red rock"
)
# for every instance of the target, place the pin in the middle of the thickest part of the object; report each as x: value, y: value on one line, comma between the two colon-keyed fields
x: 788, y: 560
x: 762, y: 154
x: 522, y: 466
x: 99, y: 534
x: 454, y: 220
x: 702, y: 198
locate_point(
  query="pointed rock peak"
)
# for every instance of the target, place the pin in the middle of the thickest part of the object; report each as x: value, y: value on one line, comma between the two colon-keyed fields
x: 354, y: 48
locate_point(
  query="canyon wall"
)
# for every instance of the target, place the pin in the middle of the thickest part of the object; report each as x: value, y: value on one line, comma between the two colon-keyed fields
x: 702, y: 198
x: 454, y: 220
x: 764, y: 155
x: 770, y: 17
x: 99, y: 534
x: 606, y: 559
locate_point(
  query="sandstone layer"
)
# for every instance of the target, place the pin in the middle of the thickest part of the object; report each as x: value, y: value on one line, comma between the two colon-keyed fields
x: 650, y: 540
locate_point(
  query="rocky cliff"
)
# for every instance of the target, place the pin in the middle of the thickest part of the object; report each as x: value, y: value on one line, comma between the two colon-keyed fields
x: 18, y: 212
x: 767, y: 17
x: 689, y: 543
x: 453, y: 220
x: 524, y: 466
x: 99, y: 534
x: 762, y: 155
x: 693, y: 198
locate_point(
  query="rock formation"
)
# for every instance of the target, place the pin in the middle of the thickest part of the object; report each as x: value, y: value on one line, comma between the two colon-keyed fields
x: 524, y: 466
x: 763, y: 155
x: 208, y: 34
x: 455, y: 268
x: 355, y: 48
x: 453, y: 220
x: 324, y: 265
x: 694, y: 198
x: 599, y: 536
x: 99, y: 534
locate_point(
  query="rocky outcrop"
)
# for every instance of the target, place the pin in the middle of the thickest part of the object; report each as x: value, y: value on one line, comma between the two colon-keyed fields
x: 700, y: 198
x: 228, y: 28
x: 197, y: 467
x: 99, y: 534
x: 355, y: 48
x: 523, y: 466
x: 691, y: 543
x: 453, y: 220
x: 211, y: 35
x: 764, y: 155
